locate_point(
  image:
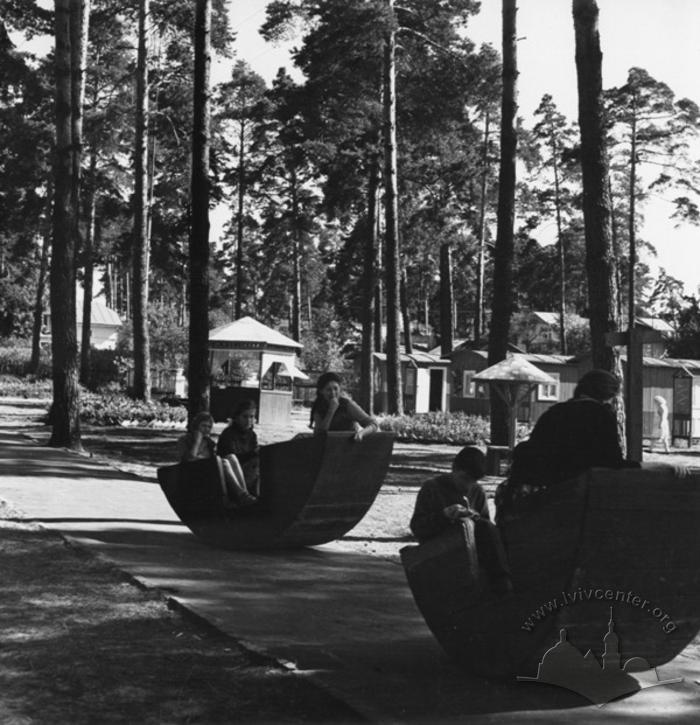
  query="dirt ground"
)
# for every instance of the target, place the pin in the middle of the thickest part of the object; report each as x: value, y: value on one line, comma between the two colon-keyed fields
x: 81, y: 643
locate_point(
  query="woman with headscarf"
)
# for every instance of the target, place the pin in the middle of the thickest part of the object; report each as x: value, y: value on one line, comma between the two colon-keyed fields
x: 332, y: 411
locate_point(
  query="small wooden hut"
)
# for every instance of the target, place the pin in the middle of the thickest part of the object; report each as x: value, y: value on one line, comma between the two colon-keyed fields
x: 251, y: 360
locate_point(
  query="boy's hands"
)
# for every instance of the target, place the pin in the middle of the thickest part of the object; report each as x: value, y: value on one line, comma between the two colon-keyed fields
x: 458, y: 511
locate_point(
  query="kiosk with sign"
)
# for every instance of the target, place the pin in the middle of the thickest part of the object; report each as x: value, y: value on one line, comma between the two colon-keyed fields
x: 252, y: 361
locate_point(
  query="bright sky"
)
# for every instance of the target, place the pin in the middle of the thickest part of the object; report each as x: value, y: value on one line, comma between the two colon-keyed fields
x: 662, y: 36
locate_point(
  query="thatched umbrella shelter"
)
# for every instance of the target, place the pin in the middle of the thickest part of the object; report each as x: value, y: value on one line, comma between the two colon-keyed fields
x: 513, y: 379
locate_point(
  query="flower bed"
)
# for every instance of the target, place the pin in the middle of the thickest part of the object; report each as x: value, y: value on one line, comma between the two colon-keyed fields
x: 438, y: 427
x: 115, y: 409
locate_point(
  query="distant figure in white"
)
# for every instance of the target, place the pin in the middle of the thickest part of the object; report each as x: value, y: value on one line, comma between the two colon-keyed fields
x: 661, y: 430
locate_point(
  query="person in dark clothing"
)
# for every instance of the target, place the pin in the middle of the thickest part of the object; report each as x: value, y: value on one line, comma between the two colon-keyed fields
x: 239, y: 439
x: 332, y: 411
x: 450, y: 497
x: 447, y: 500
x: 568, y: 439
x: 197, y: 444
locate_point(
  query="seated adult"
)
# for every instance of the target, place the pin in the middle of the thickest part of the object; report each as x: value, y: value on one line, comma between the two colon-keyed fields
x: 447, y: 500
x: 331, y: 411
x: 568, y: 439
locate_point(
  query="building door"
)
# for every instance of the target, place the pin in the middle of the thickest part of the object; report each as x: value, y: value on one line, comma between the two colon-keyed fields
x: 437, y: 376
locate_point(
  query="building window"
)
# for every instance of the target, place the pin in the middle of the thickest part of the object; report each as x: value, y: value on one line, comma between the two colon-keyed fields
x: 468, y: 384
x: 546, y: 391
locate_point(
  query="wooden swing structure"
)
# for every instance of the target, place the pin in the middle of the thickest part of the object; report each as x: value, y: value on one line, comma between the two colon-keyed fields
x: 625, y: 539
x: 314, y: 489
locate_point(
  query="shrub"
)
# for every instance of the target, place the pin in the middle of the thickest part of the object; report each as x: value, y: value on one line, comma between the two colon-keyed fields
x: 107, y: 368
x: 456, y: 428
x: 16, y: 357
x: 30, y: 387
x: 109, y: 410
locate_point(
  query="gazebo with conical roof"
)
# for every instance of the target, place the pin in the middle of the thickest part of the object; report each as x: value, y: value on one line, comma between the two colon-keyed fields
x: 513, y: 379
x: 250, y: 360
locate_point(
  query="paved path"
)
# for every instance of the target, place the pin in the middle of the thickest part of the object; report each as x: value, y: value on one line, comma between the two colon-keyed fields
x: 344, y: 619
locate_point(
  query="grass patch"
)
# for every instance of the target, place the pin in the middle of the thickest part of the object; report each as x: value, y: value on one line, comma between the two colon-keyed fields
x: 82, y: 644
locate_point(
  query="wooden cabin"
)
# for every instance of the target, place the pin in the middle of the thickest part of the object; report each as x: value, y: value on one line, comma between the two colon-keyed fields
x: 424, y: 381
x: 472, y: 397
x: 676, y: 380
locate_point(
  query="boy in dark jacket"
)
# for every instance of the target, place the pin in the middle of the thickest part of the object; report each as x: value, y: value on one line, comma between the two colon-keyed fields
x: 446, y: 500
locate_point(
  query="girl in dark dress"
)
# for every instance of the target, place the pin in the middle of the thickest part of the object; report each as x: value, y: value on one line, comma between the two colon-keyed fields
x: 333, y: 412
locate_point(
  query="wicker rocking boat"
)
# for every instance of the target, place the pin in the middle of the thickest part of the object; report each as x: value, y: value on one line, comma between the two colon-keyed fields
x: 616, y: 546
x: 313, y: 490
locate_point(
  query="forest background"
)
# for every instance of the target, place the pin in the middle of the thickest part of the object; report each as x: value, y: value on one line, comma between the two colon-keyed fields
x: 295, y: 163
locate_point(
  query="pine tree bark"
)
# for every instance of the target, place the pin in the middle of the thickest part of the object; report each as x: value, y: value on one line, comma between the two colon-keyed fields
x: 370, y: 284
x: 600, y: 266
x: 481, y: 260
x: 391, y: 234
x: 296, y: 258
x: 560, y: 249
x: 503, y: 252
x: 41, y: 284
x: 88, y: 273
x: 446, y: 300
x: 139, y: 306
x: 199, y: 372
x: 65, y: 412
x: 405, y: 314
x: 239, y: 221
x: 632, y: 227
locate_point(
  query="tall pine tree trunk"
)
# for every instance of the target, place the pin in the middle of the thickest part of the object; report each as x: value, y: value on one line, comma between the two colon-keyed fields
x: 370, y: 284
x: 616, y: 252
x: 65, y: 413
x: 503, y: 252
x: 239, y: 222
x: 632, y: 229
x: 481, y: 260
x: 41, y: 283
x: 560, y: 250
x: 596, y: 210
x: 391, y: 232
x: 379, y: 318
x: 88, y: 267
x: 199, y: 372
x: 142, y: 364
x: 405, y: 314
x: 446, y: 300
x: 296, y: 259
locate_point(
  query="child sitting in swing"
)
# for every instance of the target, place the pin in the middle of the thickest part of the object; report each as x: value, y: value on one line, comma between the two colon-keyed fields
x: 197, y: 444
